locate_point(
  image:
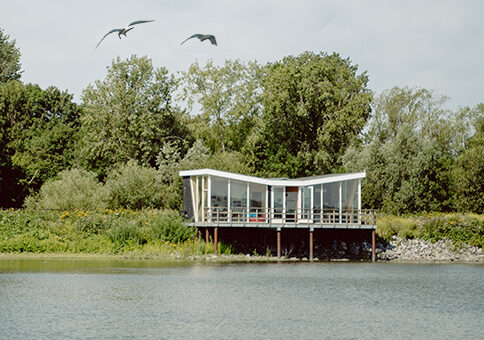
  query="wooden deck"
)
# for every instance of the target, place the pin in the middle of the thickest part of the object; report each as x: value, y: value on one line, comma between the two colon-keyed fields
x: 278, y: 218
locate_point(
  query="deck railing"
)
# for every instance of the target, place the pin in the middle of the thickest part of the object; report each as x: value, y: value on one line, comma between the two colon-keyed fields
x: 289, y: 216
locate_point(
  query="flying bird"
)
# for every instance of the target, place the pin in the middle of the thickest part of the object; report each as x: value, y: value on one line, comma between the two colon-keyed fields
x: 125, y: 30
x: 203, y: 37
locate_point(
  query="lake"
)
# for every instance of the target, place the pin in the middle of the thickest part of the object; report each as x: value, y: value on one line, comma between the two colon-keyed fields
x: 116, y: 299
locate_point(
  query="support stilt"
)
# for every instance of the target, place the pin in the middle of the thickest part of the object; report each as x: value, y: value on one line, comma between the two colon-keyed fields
x: 373, y: 246
x: 278, y: 243
x: 215, y: 240
x: 207, y: 235
x: 311, y: 244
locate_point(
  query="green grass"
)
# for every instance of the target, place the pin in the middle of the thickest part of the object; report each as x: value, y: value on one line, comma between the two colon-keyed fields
x: 156, y: 232
x: 99, y: 232
x: 460, y: 228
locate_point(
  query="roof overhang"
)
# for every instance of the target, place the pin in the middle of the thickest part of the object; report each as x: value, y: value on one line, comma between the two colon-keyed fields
x: 275, y: 181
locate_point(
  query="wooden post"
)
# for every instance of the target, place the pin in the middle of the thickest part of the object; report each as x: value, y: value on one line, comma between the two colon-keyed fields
x: 207, y: 234
x: 373, y: 247
x: 215, y: 240
x: 278, y: 243
x: 311, y: 244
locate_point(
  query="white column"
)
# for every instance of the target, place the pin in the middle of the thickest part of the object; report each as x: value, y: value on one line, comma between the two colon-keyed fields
x: 229, y: 215
x: 322, y: 202
x: 197, y: 199
x: 359, y: 200
x: 209, y: 199
x: 340, y: 200
x: 203, y: 199
x: 248, y: 201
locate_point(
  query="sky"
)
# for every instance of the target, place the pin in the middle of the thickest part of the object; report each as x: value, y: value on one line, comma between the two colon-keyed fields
x: 433, y: 44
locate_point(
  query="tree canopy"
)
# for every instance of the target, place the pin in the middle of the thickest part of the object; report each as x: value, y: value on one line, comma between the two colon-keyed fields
x: 128, y: 115
x: 229, y: 99
x: 304, y: 115
x: 314, y: 106
x: 10, y: 68
x: 38, y: 133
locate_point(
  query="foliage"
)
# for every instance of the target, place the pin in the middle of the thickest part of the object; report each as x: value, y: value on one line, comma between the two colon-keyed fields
x: 74, y: 189
x: 132, y: 186
x: 407, y: 174
x: 418, y: 108
x: 128, y: 115
x: 101, y: 231
x: 408, y: 152
x: 10, y: 68
x: 469, y: 174
x: 228, y: 96
x: 38, y: 133
x: 169, y: 227
x: 461, y: 229
x: 314, y: 106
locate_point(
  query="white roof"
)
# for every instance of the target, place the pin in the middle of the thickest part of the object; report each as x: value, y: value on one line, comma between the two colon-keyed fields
x: 275, y: 181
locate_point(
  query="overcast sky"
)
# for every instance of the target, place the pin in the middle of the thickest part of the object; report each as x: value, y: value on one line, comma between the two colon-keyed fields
x: 438, y: 45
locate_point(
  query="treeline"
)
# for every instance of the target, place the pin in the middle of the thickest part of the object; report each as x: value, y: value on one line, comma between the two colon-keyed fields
x: 311, y: 114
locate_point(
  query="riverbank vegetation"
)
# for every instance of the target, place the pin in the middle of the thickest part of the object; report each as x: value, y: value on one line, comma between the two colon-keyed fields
x: 101, y: 232
x: 459, y: 228
x: 156, y: 232
x: 121, y: 147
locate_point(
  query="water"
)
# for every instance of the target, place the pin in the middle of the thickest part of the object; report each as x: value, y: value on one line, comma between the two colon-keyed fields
x: 97, y: 299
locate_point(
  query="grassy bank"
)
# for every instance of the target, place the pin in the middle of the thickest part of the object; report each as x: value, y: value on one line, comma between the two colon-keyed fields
x: 150, y: 232
x: 460, y: 228
x: 155, y: 233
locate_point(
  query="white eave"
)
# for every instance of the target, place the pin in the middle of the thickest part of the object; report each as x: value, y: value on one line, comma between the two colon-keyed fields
x: 275, y: 181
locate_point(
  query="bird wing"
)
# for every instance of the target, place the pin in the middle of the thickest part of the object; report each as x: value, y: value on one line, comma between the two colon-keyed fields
x: 212, y: 40
x: 111, y: 31
x: 138, y: 22
x: 199, y: 36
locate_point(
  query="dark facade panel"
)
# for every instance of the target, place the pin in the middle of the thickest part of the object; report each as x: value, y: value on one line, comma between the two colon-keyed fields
x: 187, y: 198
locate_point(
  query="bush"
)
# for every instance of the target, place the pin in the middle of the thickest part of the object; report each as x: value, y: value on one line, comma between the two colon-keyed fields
x: 169, y: 227
x: 132, y: 186
x: 468, y: 229
x: 75, y: 189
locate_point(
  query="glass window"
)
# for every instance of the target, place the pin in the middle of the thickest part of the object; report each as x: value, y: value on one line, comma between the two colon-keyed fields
x: 257, y: 194
x: 306, y: 204
x: 238, y: 194
x: 219, y: 192
x: 317, y: 203
x: 331, y: 196
x: 278, y: 201
x: 349, y: 192
x: 238, y: 200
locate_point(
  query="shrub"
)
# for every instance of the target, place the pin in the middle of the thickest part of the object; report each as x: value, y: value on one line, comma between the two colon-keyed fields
x: 169, y: 227
x: 132, y: 186
x: 74, y: 189
x: 125, y: 231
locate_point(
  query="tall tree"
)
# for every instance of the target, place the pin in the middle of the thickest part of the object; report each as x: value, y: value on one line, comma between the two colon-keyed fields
x: 409, y: 150
x: 10, y: 68
x: 228, y: 97
x: 419, y: 108
x: 404, y: 175
x: 129, y: 115
x: 314, y: 105
x: 469, y: 173
x: 38, y: 129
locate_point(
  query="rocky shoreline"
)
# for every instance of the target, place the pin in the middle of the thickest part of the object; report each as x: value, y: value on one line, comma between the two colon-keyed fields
x: 403, y: 250
x: 399, y: 249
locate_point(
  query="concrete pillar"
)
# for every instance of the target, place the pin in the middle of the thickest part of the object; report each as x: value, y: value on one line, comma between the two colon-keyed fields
x: 278, y: 243
x: 373, y: 246
x: 215, y: 240
x: 311, y: 231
